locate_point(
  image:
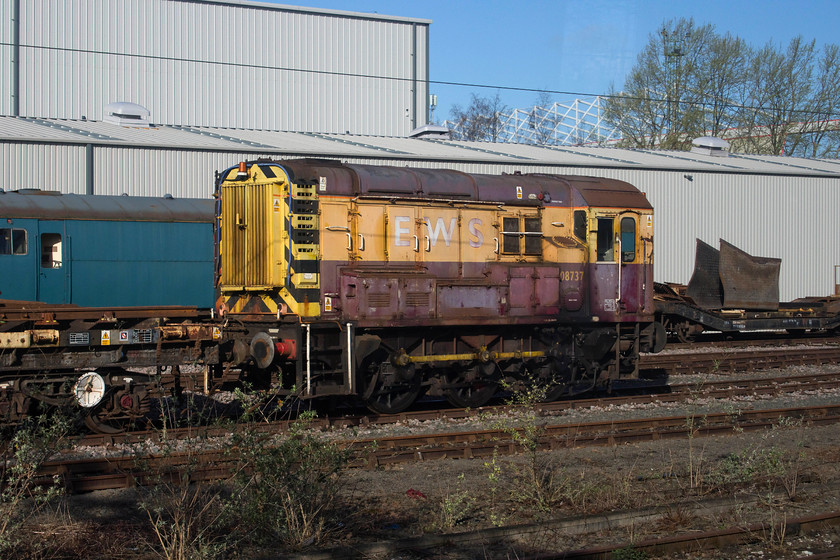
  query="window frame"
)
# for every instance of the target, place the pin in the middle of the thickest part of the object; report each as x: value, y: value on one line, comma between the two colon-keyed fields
x: 528, y: 242
x: 10, y: 243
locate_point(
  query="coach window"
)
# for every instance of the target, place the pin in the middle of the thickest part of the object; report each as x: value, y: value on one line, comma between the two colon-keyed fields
x: 606, y: 240
x: 13, y: 241
x: 50, y: 250
x: 628, y: 240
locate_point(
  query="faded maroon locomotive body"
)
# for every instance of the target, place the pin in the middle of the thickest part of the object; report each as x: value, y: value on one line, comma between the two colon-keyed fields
x: 389, y: 282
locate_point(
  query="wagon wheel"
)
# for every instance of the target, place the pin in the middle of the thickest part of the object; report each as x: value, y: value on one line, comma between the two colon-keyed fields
x: 101, y: 423
x: 389, y: 389
x: 684, y: 332
x: 473, y: 385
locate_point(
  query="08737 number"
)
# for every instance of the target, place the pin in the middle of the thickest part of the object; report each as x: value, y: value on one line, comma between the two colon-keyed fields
x: 571, y: 275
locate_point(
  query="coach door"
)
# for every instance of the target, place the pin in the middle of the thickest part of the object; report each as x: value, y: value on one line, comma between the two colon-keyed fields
x: 53, y: 264
x: 18, y: 260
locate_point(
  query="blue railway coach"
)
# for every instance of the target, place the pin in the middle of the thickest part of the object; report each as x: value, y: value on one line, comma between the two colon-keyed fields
x: 106, y: 251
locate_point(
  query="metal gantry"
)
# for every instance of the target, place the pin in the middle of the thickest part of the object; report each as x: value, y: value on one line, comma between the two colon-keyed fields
x: 574, y: 123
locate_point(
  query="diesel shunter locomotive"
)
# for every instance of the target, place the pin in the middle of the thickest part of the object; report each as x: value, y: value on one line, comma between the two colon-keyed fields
x: 326, y: 280
x: 387, y: 283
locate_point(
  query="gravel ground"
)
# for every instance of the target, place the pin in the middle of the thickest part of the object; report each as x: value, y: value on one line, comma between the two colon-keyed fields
x: 789, y: 471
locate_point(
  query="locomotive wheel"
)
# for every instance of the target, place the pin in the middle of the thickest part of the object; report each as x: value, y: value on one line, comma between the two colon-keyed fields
x: 474, y: 386
x: 579, y: 379
x: 555, y: 391
x: 393, y: 399
x: 389, y: 389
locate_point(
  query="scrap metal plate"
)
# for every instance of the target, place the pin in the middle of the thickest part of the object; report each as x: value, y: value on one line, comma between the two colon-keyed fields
x: 705, y: 286
x: 748, y: 282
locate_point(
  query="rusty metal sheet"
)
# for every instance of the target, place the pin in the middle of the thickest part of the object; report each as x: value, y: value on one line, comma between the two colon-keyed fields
x: 609, y: 193
x: 705, y: 287
x: 748, y: 282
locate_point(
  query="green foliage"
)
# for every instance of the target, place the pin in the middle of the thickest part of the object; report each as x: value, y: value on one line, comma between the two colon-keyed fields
x: 24, y: 494
x: 286, y: 490
x: 455, y: 507
x: 749, y: 466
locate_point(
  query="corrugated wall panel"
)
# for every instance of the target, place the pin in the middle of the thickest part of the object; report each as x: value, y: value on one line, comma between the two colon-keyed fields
x: 6, y: 58
x: 41, y: 166
x: 792, y: 218
x: 5, y: 83
x: 224, y: 65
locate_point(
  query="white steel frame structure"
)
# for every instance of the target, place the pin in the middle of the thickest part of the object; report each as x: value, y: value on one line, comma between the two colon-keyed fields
x: 575, y: 123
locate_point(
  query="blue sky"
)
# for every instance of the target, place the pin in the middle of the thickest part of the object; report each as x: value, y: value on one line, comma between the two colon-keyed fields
x: 575, y: 46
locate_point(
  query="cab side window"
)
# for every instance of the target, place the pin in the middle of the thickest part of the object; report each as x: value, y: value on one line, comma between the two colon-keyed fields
x: 606, y: 240
x: 580, y: 224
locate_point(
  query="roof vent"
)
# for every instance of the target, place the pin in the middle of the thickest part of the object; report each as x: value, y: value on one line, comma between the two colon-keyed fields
x: 430, y: 131
x: 710, y: 146
x: 124, y: 113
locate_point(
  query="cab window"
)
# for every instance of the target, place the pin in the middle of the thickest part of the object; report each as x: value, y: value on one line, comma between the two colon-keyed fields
x: 606, y: 240
x: 628, y: 240
x: 13, y: 241
x: 580, y: 224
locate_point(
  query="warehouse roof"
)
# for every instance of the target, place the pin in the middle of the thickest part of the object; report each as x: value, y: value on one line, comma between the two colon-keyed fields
x: 309, y: 144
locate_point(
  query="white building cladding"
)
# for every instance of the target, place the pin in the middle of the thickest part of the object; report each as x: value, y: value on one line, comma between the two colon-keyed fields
x: 220, y: 63
x: 768, y: 206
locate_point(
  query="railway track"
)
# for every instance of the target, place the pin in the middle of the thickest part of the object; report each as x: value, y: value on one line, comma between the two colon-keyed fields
x: 640, y: 394
x: 84, y: 475
x: 693, y: 542
x: 733, y: 359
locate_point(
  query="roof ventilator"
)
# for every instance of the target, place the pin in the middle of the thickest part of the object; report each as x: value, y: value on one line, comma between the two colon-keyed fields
x: 123, y: 113
x: 430, y: 131
x: 710, y: 146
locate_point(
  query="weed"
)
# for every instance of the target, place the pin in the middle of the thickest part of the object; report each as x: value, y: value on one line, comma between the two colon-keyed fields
x: 24, y: 494
x: 286, y: 491
x: 455, y: 507
x: 187, y: 515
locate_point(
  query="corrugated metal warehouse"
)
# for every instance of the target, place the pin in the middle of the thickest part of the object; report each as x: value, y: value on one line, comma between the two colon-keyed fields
x: 220, y: 63
x: 224, y: 74
x: 768, y: 206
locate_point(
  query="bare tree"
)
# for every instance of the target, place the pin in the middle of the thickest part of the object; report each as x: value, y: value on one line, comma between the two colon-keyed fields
x: 822, y: 137
x: 661, y: 102
x: 720, y: 84
x: 779, y: 85
x: 690, y: 81
x: 481, y: 121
